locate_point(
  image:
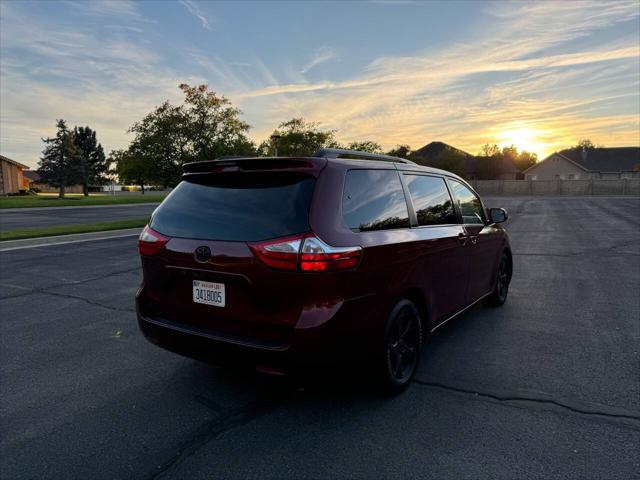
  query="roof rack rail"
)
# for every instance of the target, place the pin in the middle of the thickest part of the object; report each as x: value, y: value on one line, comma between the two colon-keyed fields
x: 336, y: 152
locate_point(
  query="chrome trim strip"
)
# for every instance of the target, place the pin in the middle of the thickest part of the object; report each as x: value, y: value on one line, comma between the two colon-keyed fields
x: 461, y: 311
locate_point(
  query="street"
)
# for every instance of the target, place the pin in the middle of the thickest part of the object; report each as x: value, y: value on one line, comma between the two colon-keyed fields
x: 50, y: 217
x: 547, y: 386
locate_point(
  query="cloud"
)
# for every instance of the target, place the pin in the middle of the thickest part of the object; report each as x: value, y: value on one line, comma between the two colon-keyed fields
x: 324, y: 54
x: 106, y: 8
x: 539, y: 67
x: 194, y: 10
x: 78, y: 75
x: 511, y: 73
x: 241, y: 64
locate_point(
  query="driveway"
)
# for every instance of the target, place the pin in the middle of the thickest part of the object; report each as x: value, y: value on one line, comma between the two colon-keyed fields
x: 546, y: 386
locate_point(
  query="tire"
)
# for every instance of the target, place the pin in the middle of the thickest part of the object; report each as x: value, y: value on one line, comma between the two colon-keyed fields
x: 400, y: 355
x: 503, y: 278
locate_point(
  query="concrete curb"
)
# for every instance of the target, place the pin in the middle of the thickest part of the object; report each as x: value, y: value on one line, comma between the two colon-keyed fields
x: 53, y: 209
x: 9, y: 245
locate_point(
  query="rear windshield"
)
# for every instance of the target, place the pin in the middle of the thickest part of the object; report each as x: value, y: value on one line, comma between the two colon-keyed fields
x: 243, y: 207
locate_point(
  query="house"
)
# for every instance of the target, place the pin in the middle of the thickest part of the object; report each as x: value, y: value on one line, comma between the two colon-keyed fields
x: 12, y: 176
x: 32, y: 178
x: 441, y: 155
x: 34, y: 182
x: 588, y: 163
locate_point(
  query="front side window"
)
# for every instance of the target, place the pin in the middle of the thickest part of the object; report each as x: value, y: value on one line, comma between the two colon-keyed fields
x: 374, y: 200
x: 469, y: 204
x: 431, y: 200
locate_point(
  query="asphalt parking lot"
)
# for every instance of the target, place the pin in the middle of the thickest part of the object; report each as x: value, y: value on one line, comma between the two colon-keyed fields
x: 49, y: 217
x: 547, y: 386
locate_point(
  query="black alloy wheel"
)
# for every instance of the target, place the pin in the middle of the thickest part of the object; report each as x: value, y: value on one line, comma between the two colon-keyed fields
x: 403, y: 339
x: 499, y: 295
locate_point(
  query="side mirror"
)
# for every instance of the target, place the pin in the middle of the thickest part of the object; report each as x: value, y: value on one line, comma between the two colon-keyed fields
x: 498, y: 215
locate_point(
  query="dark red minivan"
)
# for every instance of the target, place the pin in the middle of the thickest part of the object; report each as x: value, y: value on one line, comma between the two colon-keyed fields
x: 281, y: 262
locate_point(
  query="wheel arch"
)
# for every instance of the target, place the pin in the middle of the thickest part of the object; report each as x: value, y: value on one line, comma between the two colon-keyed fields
x: 507, y: 250
x: 416, y: 297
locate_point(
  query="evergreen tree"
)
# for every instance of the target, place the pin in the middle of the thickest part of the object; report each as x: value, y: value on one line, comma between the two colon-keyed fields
x: 93, y: 162
x: 60, y: 164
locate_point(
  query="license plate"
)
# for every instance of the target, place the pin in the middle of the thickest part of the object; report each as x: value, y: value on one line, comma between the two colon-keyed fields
x: 208, y: 293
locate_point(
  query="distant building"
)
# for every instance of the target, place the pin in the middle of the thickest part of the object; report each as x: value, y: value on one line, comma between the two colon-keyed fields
x: 472, y: 167
x: 12, y: 176
x: 34, y: 182
x: 576, y: 164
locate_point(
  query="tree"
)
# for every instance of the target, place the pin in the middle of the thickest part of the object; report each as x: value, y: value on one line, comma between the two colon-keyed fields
x: 451, y: 161
x: 402, y: 151
x: 93, y: 163
x: 489, y: 150
x: 584, y: 143
x: 491, y: 160
x: 525, y: 160
x: 215, y: 128
x: 365, y: 146
x: 132, y: 167
x: 298, y: 138
x: 162, y: 138
x: 204, y: 127
x: 60, y: 163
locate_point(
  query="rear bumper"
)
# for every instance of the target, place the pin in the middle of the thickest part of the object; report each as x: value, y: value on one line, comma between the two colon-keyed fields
x: 324, y: 343
x: 211, y: 347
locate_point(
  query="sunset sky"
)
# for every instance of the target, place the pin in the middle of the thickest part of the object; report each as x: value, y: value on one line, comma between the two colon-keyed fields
x: 538, y: 75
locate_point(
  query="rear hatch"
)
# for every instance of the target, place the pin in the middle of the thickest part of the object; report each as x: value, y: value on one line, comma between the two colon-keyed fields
x: 206, y: 276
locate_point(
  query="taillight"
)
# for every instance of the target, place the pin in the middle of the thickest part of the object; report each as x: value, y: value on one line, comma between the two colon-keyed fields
x: 317, y: 256
x: 306, y: 252
x: 281, y: 253
x: 150, y: 242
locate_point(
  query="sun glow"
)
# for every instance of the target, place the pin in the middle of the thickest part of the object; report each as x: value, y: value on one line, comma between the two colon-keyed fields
x: 523, y: 139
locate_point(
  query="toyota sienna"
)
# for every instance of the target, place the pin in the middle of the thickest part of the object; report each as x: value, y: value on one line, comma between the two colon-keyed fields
x: 277, y: 262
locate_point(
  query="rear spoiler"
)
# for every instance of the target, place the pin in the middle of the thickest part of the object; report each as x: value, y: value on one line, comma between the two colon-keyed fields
x: 252, y: 164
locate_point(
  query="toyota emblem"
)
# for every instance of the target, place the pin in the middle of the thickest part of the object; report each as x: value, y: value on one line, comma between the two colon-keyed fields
x: 203, y: 253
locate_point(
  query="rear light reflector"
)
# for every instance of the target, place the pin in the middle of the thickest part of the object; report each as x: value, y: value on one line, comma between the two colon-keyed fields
x: 307, y: 253
x: 150, y: 242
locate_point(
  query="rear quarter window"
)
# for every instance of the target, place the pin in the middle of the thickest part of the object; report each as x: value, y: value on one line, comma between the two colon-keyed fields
x: 374, y: 200
x: 242, y: 207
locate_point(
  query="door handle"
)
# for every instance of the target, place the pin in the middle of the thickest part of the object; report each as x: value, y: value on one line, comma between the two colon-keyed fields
x: 474, y: 239
x: 462, y: 238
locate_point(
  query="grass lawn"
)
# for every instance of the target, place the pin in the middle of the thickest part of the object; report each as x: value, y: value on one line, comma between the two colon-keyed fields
x: 69, y: 229
x: 77, y: 200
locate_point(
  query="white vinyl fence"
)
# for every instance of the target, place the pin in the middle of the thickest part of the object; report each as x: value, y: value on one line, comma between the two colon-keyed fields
x: 628, y: 186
